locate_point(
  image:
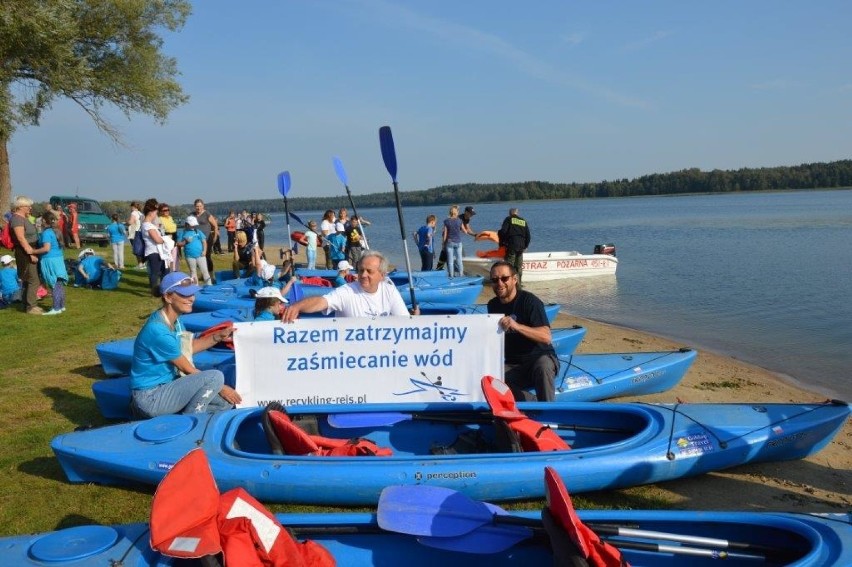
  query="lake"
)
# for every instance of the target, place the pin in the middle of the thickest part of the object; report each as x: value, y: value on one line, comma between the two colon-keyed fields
x: 763, y: 277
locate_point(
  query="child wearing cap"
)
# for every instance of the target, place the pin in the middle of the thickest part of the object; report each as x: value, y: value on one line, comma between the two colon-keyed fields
x: 51, y: 265
x: 10, y: 285
x: 268, y: 304
x: 311, y: 240
x: 194, y: 244
x: 343, y: 269
x: 90, y: 269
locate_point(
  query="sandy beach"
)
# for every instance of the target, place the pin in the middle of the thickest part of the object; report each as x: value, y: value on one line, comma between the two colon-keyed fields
x: 821, y: 483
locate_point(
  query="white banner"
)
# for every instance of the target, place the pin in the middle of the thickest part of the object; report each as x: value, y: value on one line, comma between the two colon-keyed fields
x: 363, y: 360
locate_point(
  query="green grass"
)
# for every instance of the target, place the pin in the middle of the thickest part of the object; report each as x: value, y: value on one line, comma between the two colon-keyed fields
x: 48, y: 367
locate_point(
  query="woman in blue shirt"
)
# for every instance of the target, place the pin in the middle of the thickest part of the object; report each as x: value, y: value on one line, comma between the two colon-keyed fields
x: 452, y: 242
x: 117, y: 237
x: 90, y: 269
x: 163, y: 378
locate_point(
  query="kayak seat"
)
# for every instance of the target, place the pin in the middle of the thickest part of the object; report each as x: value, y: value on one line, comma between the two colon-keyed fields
x: 467, y: 443
x: 506, y: 440
x: 287, y: 438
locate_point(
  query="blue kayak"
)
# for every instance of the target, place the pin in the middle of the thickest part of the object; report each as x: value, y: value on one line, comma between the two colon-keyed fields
x: 113, y: 394
x: 202, y: 320
x: 614, y: 445
x: 355, y: 539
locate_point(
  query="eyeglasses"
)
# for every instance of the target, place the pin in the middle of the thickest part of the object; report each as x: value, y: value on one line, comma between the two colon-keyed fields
x: 164, y: 210
x: 503, y: 279
x: 185, y: 282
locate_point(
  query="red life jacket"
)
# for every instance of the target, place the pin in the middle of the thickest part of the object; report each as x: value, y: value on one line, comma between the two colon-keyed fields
x: 533, y: 435
x: 597, y: 552
x: 317, y: 281
x: 251, y: 536
x: 295, y: 441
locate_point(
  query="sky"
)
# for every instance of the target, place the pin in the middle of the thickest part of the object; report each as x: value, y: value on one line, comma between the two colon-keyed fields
x: 474, y: 91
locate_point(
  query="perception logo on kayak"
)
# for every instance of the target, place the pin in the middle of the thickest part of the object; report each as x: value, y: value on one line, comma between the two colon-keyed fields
x: 445, y: 475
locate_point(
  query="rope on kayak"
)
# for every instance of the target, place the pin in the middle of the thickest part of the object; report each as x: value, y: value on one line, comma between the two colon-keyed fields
x: 724, y: 444
x: 120, y: 562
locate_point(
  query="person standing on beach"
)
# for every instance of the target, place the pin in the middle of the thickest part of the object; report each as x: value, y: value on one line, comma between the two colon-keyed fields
x: 327, y: 228
x: 530, y: 360
x: 134, y: 225
x: 207, y: 224
x: 515, y: 236
x: 117, y: 238
x: 231, y: 228
x: 451, y: 239
x: 425, y: 238
x: 466, y: 217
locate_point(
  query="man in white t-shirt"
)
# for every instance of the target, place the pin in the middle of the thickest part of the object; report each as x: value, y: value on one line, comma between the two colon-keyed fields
x: 372, y: 295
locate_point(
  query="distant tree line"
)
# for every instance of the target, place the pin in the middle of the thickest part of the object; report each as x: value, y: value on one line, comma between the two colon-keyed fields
x: 806, y: 176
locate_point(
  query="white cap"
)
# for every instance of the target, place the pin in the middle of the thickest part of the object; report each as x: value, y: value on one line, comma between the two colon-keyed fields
x: 267, y: 271
x: 344, y: 265
x: 191, y: 221
x: 5, y: 259
x: 85, y: 252
x: 269, y: 293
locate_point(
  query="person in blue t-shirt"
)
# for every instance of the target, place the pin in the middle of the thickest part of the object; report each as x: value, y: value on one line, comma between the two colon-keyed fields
x: 117, y: 237
x: 337, y: 247
x: 90, y: 269
x: 10, y: 285
x: 51, y: 265
x: 194, y: 245
x: 163, y: 378
x: 425, y: 237
x: 343, y: 269
x: 268, y: 304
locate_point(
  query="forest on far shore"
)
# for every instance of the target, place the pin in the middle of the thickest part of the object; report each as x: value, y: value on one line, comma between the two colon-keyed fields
x: 830, y: 175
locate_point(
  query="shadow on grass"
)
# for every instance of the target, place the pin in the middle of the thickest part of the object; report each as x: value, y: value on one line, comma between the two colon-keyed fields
x: 94, y: 371
x: 82, y: 411
x: 43, y: 467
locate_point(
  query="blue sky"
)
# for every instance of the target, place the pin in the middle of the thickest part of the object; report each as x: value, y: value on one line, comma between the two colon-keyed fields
x: 475, y: 91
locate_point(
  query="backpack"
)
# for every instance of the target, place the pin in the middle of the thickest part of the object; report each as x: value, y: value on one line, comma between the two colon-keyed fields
x: 137, y: 245
x: 6, y: 236
x: 110, y: 278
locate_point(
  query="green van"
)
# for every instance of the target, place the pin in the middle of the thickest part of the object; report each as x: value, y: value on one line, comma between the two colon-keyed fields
x: 90, y: 217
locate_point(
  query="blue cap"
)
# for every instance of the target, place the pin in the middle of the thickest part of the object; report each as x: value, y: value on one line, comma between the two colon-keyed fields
x: 180, y: 283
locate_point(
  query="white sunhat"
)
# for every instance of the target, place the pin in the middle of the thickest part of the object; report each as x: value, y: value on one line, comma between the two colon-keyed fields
x: 6, y: 259
x: 85, y: 252
x: 270, y: 293
x: 267, y: 271
x: 344, y: 265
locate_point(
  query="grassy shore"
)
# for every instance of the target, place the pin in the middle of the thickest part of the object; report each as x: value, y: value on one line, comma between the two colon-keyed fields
x: 49, y: 365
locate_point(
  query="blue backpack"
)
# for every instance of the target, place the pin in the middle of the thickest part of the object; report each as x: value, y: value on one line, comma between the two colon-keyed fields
x: 110, y: 278
x: 137, y: 245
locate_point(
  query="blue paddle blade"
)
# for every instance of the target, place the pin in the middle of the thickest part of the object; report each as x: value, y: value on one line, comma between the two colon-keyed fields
x: 296, y: 218
x: 341, y: 173
x: 284, y: 183
x: 372, y: 419
x: 388, y: 152
x: 430, y: 511
x: 483, y: 540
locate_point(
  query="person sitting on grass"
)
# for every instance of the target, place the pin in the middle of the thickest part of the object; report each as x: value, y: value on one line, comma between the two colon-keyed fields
x: 90, y: 269
x: 268, y: 304
x: 163, y: 378
x: 10, y: 285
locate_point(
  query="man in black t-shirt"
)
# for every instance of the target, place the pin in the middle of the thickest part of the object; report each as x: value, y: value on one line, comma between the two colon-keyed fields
x: 530, y: 359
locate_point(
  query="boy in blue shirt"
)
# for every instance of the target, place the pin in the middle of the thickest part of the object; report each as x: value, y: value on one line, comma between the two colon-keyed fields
x: 10, y: 286
x: 425, y: 237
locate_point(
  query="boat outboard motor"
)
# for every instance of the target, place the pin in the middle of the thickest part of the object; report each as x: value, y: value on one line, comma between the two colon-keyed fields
x: 605, y: 249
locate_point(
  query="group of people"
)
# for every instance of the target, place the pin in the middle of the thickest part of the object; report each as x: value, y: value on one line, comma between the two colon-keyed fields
x: 341, y: 238
x: 513, y: 236
x: 38, y: 263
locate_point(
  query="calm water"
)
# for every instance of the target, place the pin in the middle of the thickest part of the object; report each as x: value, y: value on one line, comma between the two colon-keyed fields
x: 762, y: 277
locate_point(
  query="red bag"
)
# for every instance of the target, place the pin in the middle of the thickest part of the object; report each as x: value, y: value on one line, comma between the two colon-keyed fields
x: 6, y: 236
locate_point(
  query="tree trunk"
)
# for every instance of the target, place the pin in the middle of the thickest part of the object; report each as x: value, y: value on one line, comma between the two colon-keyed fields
x: 5, y: 179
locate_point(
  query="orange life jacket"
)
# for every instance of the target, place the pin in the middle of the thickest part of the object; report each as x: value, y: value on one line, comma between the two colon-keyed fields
x: 533, y: 435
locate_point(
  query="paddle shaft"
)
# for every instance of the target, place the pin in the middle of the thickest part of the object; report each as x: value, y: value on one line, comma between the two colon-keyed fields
x: 707, y: 542
x: 355, y: 212
x: 389, y: 157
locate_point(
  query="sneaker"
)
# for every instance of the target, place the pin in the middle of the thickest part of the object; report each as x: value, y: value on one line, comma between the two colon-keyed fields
x: 53, y: 312
x: 35, y: 310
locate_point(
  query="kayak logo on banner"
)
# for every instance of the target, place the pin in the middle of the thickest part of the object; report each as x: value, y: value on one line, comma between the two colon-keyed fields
x: 364, y: 360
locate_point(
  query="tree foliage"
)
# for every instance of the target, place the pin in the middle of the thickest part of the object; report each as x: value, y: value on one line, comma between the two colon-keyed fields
x: 96, y: 53
x: 805, y: 176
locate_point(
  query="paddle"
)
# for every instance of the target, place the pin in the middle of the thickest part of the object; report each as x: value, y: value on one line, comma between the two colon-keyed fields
x: 437, y: 512
x: 389, y: 157
x: 296, y: 218
x: 341, y: 175
x: 284, y: 188
x: 381, y: 419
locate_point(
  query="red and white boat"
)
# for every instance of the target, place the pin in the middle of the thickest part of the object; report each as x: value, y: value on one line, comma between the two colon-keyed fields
x: 545, y: 266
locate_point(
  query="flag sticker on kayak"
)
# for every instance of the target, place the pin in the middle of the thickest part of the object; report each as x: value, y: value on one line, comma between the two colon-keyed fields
x: 579, y: 382
x: 697, y: 444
